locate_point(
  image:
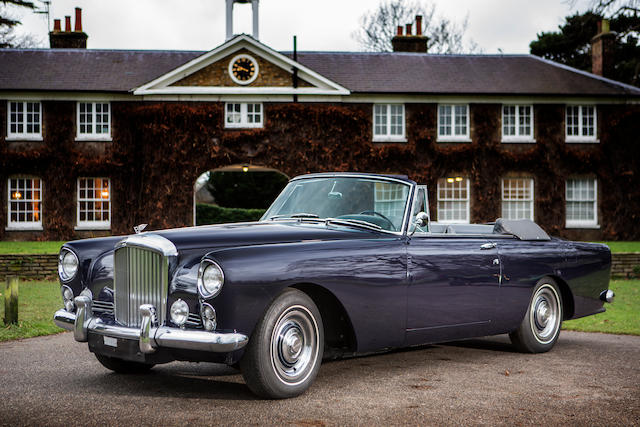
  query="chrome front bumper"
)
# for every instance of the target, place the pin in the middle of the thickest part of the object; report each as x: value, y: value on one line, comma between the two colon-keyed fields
x: 149, y: 335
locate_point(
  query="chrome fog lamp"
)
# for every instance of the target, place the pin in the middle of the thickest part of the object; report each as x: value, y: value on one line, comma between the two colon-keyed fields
x: 209, y: 318
x: 67, y: 298
x: 67, y: 264
x: 210, y: 279
x: 179, y: 312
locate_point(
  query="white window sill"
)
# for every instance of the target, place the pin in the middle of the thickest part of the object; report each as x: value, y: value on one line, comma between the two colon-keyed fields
x: 24, y: 138
x: 24, y: 228
x: 389, y: 139
x: 518, y: 141
x: 580, y: 140
x: 90, y: 227
x: 585, y: 226
x: 243, y: 126
x: 453, y: 139
x: 87, y: 138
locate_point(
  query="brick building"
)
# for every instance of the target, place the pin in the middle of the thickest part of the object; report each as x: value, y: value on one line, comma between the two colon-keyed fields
x: 93, y: 142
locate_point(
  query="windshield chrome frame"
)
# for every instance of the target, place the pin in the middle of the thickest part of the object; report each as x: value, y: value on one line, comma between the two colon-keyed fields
x: 408, y: 204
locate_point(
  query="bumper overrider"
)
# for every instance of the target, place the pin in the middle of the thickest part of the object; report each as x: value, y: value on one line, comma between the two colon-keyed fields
x: 150, y: 336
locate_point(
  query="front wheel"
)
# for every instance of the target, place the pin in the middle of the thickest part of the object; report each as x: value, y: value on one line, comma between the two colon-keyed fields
x: 285, y: 350
x: 540, y: 327
x: 121, y: 366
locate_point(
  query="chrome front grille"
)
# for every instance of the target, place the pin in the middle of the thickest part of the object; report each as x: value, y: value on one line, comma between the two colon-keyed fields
x: 141, y: 277
x: 102, y: 307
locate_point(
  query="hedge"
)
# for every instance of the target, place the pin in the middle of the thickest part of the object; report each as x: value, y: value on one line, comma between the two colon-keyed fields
x: 211, y: 214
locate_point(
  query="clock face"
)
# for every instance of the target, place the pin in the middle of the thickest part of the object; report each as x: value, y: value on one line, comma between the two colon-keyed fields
x: 243, y: 69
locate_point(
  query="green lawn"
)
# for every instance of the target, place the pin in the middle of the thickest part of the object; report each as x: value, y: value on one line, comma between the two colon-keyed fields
x: 37, y: 303
x: 622, y: 316
x: 30, y: 247
x: 623, y: 246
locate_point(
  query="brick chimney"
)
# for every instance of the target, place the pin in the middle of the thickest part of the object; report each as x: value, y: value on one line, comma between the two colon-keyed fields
x: 409, y: 42
x: 67, y: 39
x: 602, y: 45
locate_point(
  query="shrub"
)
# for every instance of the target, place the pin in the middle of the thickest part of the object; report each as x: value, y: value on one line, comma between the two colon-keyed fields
x: 211, y: 214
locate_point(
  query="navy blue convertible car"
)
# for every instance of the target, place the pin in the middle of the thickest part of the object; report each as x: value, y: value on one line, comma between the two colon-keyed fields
x: 340, y: 264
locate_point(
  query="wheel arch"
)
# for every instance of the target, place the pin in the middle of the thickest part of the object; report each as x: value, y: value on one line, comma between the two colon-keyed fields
x: 339, y: 334
x: 568, y: 303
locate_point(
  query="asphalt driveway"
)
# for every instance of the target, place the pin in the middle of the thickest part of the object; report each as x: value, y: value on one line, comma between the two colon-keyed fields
x: 588, y: 379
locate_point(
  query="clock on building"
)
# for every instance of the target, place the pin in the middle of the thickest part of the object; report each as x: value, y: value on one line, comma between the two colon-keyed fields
x: 243, y: 69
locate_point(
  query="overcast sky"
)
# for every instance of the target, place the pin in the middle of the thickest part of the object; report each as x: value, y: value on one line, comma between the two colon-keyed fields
x: 509, y: 25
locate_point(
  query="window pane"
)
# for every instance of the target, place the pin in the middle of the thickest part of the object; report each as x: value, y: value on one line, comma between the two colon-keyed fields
x: 445, y: 120
x: 461, y: 120
x: 380, y: 119
x: 581, y: 200
x: 25, y: 200
x: 93, y: 200
x: 453, y: 199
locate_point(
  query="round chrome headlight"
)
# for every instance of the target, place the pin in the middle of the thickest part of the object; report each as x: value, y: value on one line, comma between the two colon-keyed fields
x: 179, y: 312
x: 210, y: 279
x: 67, y: 298
x: 209, y: 318
x: 67, y: 264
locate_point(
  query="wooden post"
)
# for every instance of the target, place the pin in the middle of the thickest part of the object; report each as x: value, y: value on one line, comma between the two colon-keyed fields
x: 11, y: 300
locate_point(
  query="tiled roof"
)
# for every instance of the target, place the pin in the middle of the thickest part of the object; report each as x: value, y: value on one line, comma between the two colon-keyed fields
x: 405, y: 73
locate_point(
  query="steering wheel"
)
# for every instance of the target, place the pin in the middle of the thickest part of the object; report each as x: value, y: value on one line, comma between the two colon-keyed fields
x: 374, y: 213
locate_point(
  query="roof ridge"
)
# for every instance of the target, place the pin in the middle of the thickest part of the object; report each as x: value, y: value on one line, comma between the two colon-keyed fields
x: 446, y: 55
x: 587, y: 74
x: 68, y: 50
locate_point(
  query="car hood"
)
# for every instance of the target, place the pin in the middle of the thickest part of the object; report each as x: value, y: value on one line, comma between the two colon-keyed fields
x: 256, y: 233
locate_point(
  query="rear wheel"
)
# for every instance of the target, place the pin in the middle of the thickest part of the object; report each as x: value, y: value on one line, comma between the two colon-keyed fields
x: 540, y: 327
x: 123, y: 366
x: 285, y: 350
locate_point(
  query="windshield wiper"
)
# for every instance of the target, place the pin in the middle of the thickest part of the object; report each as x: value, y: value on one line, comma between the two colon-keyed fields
x: 354, y: 223
x: 295, y: 216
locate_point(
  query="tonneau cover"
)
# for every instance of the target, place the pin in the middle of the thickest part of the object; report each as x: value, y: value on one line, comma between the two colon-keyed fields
x: 523, y: 229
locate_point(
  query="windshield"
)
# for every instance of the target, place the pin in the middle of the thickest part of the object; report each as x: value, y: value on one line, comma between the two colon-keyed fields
x: 374, y: 201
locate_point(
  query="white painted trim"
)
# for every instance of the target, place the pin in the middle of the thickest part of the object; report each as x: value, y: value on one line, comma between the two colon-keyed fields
x: 160, y: 84
x: 244, y: 114
x: 484, y: 99
x: 581, y: 137
x: 441, y: 221
x: 255, y: 66
x: 93, y: 136
x: 24, y: 136
x: 387, y: 137
x: 235, y: 91
x: 25, y: 225
x: 453, y: 137
x: 581, y: 223
x: 66, y: 96
x: 91, y: 225
x: 518, y: 138
x: 93, y: 139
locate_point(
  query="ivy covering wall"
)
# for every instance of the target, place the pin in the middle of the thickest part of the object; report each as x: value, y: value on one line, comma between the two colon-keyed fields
x: 159, y: 150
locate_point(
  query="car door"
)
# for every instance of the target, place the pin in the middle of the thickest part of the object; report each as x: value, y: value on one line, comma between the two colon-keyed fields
x: 454, y: 283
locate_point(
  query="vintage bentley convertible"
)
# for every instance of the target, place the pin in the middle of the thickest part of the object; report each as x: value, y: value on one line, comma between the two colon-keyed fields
x: 340, y: 264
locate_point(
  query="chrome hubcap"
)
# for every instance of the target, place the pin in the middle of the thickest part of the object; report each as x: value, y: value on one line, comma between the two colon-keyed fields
x: 545, y: 314
x: 294, y: 345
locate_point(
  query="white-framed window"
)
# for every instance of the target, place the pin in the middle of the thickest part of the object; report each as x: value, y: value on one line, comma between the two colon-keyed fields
x: 581, y: 123
x: 453, y: 122
x: 94, y: 120
x: 24, y: 120
x: 453, y: 200
x: 517, y: 198
x: 517, y: 123
x: 243, y: 115
x: 582, y: 202
x: 24, y: 203
x: 388, y: 122
x: 94, y: 203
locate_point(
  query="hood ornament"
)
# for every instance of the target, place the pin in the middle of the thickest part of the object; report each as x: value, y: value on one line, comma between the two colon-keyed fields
x: 140, y: 228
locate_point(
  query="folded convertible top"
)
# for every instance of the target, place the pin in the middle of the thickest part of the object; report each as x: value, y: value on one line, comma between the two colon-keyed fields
x: 523, y: 229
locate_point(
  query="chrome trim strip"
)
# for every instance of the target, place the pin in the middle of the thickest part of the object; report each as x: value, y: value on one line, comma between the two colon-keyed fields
x: 161, y: 336
x: 148, y: 313
x: 152, y: 242
x: 82, y: 317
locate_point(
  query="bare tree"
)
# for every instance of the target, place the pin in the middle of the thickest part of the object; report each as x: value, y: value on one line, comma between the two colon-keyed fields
x: 378, y: 27
x: 614, y: 8
x: 8, y: 23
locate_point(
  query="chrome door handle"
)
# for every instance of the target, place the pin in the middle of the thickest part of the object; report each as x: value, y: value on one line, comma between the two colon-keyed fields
x: 488, y: 246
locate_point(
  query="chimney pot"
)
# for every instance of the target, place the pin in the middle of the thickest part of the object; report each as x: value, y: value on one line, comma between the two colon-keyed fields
x: 605, y: 26
x: 78, y: 26
x: 67, y: 24
x: 399, y: 33
x: 56, y: 25
x: 418, y: 25
x: 408, y: 29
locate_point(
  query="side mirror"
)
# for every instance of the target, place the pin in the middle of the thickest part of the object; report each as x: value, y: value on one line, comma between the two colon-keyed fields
x: 422, y: 219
